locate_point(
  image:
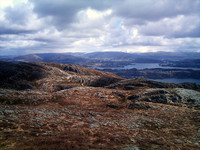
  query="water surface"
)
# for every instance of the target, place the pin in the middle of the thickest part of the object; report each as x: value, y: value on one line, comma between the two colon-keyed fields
x: 143, y: 66
x: 173, y: 80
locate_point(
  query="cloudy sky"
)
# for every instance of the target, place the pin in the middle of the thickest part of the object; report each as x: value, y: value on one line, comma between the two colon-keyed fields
x: 37, y: 26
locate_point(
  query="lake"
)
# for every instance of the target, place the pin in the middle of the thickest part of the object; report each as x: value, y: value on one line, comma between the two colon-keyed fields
x: 173, y: 80
x: 143, y: 66
x: 154, y: 65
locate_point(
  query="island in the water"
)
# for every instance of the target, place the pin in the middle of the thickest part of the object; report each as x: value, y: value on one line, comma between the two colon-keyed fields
x: 165, y: 66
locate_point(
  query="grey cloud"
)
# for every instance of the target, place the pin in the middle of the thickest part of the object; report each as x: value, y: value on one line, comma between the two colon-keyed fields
x: 133, y: 12
x: 194, y: 34
x: 15, y: 20
x: 63, y: 12
x: 177, y: 27
x: 18, y: 14
x: 4, y: 30
x: 46, y: 40
x: 153, y: 10
x: 61, y: 24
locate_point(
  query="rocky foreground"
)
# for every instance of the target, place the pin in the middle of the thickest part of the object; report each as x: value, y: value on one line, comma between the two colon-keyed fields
x: 57, y: 106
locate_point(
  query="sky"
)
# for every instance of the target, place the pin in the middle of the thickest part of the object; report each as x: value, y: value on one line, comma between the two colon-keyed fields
x: 59, y: 26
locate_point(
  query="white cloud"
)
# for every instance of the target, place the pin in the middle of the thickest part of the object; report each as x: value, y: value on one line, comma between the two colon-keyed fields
x: 135, y: 33
x: 5, y: 3
x: 94, y: 14
x: 179, y: 26
x: 87, y: 25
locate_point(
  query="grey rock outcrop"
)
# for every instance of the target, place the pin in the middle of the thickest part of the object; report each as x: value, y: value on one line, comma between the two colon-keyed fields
x: 170, y: 96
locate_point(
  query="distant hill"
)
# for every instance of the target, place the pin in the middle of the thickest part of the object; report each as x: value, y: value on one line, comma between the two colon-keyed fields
x: 142, y: 57
x: 121, y: 56
x: 47, y: 57
x: 28, y: 58
x: 111, y: 59
x: 61, y: 58
x: 109, y: 55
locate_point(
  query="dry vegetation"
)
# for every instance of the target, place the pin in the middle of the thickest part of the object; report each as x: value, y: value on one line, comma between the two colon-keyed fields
x: 84, y: 117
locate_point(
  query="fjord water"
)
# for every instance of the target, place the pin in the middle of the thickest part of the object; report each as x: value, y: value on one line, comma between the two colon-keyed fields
x: 144, y: 66
x: 152, y: 66
x: 173, y: 80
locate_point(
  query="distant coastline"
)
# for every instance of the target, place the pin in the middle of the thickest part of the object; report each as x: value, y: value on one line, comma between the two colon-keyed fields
x: 174, y: 80
x: 144, y: 66
x: 154, y: 71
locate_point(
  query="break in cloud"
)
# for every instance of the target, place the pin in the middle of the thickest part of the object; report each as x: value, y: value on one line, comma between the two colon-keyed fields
x: 33, y: 26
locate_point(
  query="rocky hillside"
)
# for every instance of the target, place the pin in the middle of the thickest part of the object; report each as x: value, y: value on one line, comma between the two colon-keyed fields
x: 60, y: 106
x: 50, y: 76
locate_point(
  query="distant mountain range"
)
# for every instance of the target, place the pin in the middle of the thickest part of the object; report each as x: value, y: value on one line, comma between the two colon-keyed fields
x: 80, y: 57
x: 112, y: 59
x: 132, y: 56
x: 46, y: 57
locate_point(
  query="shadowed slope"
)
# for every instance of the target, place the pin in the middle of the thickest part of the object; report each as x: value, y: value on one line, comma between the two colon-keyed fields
x: 47, y: 75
